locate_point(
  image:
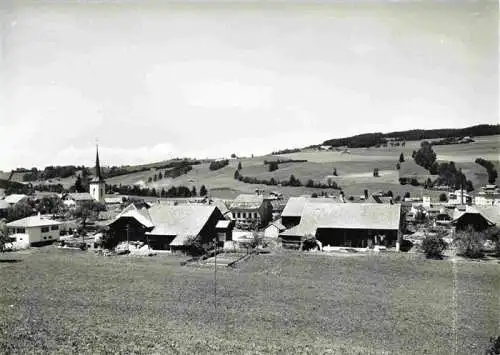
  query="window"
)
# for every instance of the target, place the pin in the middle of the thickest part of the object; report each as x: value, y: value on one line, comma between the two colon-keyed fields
x: 54, y: 228
x: 21, y: 230
x: 45, y: 229
x: 50, y: 237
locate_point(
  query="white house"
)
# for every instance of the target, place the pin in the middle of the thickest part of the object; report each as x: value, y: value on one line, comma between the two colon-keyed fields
x: 459, y: 197
x: 274, y: 229
x: 35, y: 229
x: 488, y: 196
x: 76, y: 198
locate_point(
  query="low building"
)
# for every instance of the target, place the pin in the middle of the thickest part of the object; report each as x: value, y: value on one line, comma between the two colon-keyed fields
x: 274, y: 229
x: 251, y: 211
x: 292, y: 213
x: 76, y: 199
x: 459, y: 197
x: 37, y: 230
x: 113, y: 201
x: 488, y: 196
x: 349, y: 225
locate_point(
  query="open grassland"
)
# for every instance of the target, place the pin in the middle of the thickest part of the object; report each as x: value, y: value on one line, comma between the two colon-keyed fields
x: 54, y: 301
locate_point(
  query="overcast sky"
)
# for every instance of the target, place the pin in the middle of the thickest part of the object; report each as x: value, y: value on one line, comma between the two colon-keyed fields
x: 159, y: 81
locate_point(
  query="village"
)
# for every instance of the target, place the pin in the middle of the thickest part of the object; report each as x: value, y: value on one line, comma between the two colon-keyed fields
x: 205, y: 226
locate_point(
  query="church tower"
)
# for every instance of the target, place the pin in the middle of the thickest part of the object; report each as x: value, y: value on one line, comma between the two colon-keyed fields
x: 97, y: 184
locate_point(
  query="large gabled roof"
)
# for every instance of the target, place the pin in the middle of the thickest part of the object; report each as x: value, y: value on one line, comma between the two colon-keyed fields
x: 346, y: 216
x: 492, y: 213
x: 181, y: 221
x: 458, y: 213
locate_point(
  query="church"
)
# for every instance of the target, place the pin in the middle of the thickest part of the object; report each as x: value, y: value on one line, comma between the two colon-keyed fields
x: 97, y: 185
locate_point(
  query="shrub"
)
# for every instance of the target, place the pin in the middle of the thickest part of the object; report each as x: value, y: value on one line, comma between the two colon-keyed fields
x: 193, y: 246
x: 401, y: 158
x: 273, y: 166
x: 310, y: 244
x: 433, y: 246
x: 414, y: 182
x: 351, y: 198
x: 375, y: 172
x: 398, y: 166
x: 469, y: 243
x: 216, y: 165
x: 443, y: 197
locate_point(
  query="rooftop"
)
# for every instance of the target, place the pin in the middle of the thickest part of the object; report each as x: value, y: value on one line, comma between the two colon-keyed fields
x: 14, y: 198
x: 245, y: 201
x: 33, y: 221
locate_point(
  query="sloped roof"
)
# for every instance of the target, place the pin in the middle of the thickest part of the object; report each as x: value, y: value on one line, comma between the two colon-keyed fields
x: 247, y: 201
x: 221, y: 206
x: 181, y: 221
x: 33, y: 221
x: 223, y: 224
x: 141, y: 215
x: 80, y: 196
x: 14, y: 198
x: 346, y: 216
x: 294, y: 207
x: 457, y: 214
x: 278, y: 205
x: 379, y: 199
x: 492, y: 213
x: 278, y: 225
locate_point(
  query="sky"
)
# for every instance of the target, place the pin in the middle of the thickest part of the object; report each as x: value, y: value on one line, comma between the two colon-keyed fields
x: 153, y: 81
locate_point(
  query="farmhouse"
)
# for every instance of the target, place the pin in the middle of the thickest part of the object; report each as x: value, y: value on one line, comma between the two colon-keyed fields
x: 352, y: 225
x: 167, y: 227
x: 459, y: 197
x: 37, y: 230
x: 249, y: 210
x: 468, y: 216
x: 292, y: 213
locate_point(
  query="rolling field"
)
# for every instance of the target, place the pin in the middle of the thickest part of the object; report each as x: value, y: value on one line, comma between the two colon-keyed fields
x: 76, y: 302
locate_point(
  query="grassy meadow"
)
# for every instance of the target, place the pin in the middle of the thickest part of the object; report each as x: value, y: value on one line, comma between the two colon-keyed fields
x: 55, y: 301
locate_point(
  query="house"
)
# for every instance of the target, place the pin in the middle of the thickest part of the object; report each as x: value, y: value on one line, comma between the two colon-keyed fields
x: 37, y: 230
x: 251, y: 210
x: 114, y: 201
x: 167, y: 227
x: 277, y: 207
x: 274, y: 229
x: 468, y: 216
x: 224, y: 230
x: 488, y: 196
x: 76, y: 199
x: 15, y: 198
x: 459, y: 197
x: 352, y: 225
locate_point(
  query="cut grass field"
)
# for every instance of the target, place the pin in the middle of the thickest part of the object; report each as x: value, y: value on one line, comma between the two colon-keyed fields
x: 53, y: 301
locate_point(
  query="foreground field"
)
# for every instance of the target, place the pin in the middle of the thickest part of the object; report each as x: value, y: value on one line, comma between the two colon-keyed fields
x: 57, y: 302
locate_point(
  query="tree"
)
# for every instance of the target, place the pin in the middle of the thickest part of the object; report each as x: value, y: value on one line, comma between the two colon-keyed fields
x: 19, y: 210
x: 334, y: 172
x: 398, y: 166
x: 433, y: 246
x: 389, y: 193
x: 401, y: 158
x: 469, y: 243
x: 87, y: 210
x: 203, y: 190
x: 375, y: 172
x: 443, y: 197
x: 351, y: 198
x: 78, y: 185
x: 233, y: 156
x: 273, y: 165
x: 160, y: 176
x: 155, y: 177
x: 366, y: 193
x: 239, y: 165
x: 193, y: 191
x: 406, y: 195
x: 413, y: 154
x: 310, y: 183
x: 4, y: 235
x: 150, y: 179
x: 425, y: 156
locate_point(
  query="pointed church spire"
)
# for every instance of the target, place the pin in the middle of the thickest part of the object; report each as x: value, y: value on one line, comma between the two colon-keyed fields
x: 97, y: 165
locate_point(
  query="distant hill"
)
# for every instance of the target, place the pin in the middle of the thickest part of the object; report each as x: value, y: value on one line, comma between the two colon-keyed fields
x: 372, y: 139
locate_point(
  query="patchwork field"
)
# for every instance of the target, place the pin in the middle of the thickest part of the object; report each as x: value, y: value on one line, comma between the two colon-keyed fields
x: 54, y: 301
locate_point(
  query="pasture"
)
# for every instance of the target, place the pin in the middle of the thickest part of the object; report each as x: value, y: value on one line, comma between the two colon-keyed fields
x: 55, y: 301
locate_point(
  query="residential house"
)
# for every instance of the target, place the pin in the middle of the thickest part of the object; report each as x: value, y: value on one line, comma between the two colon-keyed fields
x: 167, y: 227
x: 274, y: 229
x: 459, y: 197
x: 37, y: 230
x: 488, y: 196
x: 350, y: 225
x: 470, y: 217
x: 292, y: 212
x: 251, y: 210
x: 114, y: 201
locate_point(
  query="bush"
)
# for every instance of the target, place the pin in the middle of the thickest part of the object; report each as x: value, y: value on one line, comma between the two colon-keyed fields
x: 469, y: 243
x: 216, y: 165
x: 375, y: 172
x: 443, y: 197
x: 433, y: 246
x: 193, y: 246
x: 273, y: 166
x: 310, y: 244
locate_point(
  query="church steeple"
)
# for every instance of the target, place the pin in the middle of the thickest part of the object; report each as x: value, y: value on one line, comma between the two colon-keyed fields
x: 97, y: 184
x: 98, y: 176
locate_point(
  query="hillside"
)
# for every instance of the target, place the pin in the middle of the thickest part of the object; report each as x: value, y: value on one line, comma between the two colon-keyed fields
x: 372, y: 139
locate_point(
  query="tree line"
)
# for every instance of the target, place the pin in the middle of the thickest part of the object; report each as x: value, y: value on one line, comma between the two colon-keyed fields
x: 292, y: 181
x: 218, y: 164
x: 173, y: 191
